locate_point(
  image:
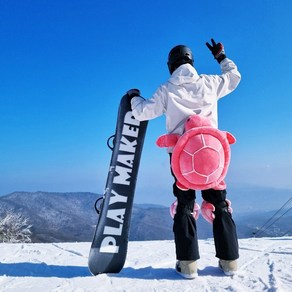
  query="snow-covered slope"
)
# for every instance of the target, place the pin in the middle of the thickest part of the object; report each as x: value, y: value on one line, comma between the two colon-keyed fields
x: 265, y: 265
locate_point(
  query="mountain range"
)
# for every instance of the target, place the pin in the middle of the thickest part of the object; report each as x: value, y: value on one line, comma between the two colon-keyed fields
x: 69, y: 217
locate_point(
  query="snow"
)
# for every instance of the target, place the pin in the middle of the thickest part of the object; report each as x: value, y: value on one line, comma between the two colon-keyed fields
x: 265, y: 264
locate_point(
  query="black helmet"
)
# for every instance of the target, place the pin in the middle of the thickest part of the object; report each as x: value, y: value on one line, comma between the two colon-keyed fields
x: 179, y: 55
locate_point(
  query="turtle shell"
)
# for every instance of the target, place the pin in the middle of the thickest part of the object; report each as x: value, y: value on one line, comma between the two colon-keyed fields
x: 200, y: 158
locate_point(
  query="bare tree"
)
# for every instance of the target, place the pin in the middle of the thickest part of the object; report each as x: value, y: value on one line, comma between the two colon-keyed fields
x: 14, y: 227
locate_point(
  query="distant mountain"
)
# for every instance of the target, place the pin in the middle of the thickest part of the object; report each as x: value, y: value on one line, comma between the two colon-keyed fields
x: 60, y: 217
x: 55, y: 216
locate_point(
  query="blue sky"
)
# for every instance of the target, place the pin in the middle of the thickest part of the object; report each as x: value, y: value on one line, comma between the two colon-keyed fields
x: 64, y: 66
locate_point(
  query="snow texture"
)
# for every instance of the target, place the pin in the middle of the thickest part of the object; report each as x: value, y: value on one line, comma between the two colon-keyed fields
x: 265, y: 264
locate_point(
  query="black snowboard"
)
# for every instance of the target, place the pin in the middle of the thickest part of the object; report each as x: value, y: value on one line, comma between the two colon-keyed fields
x: 109, y: 246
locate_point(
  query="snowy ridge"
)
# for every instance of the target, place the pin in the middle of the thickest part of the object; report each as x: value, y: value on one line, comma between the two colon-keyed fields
x: 265, y: 264
x: 70, y: 217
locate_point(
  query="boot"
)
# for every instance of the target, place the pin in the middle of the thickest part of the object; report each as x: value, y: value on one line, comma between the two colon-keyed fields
x: 187, y: 269
x: 229, y: 268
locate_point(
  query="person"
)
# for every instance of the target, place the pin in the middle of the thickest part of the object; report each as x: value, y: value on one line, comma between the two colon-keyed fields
x: 184, y: 94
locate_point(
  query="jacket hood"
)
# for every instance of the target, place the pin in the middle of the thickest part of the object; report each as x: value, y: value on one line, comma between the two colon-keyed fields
x: 184, y: 74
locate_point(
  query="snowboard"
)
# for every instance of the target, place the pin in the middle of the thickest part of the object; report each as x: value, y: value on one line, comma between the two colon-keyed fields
x: 109, y: 246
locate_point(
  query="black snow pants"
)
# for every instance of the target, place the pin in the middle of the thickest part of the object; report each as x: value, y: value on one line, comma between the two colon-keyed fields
x: 185, y: 229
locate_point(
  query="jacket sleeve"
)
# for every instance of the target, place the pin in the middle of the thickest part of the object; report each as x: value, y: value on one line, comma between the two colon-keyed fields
x: 226, y: 82
x: 147, y: 109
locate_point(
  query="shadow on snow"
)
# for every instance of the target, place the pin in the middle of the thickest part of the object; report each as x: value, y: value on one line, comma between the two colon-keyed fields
x: 147, y: 273
x: 151, y: 273
x: 42, y: 270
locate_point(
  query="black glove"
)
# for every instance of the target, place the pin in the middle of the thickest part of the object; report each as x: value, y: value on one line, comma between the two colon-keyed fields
x: 217, y: 50
x: 133, y: 92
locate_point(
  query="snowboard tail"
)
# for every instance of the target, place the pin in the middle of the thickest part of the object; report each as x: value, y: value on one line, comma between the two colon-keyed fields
x: 109, y: 246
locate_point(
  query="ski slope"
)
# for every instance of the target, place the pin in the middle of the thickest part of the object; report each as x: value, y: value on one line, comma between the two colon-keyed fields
x: 265, y: 265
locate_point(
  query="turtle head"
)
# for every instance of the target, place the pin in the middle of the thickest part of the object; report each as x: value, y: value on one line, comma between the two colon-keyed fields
x: 196, y: 121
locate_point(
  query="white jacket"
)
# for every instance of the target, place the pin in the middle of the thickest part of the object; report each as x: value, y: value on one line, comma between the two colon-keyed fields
x: 187, y: 93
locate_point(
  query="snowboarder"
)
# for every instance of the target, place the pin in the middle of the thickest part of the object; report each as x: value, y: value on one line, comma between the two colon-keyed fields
x: 187, y: 93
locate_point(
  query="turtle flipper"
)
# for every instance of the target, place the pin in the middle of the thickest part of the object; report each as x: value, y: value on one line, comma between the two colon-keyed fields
x: 167, y: 140
x: 207, y: 210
